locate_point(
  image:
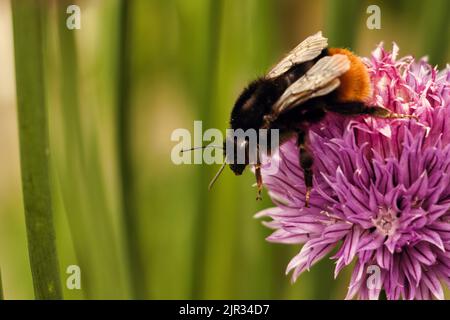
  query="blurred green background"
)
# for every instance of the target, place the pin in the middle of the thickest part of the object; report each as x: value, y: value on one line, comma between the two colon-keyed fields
x: 138, y: 225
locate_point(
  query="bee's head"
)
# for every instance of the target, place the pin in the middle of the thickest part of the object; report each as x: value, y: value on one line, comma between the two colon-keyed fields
x: 248, y: 113
x: 236, y: 155
x: 237, y: 168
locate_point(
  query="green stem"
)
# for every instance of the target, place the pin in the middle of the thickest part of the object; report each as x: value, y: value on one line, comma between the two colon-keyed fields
x: 1, y: 287
x: 207, y: 98
x: 70, y: 173
x: 341, y: 18
x: 435, y: 31
x: 34, y: 148
x: 79, y: 168
x: 136, y: 265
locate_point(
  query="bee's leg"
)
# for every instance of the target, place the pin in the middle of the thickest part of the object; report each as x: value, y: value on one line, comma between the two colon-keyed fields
x: 359, y: 108
x: 306, y: 162
x: 259, y: 183
x: 380, y: 112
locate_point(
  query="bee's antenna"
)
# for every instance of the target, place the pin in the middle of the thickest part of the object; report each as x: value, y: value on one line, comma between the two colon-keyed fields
x: 217, y: 175
x: 201, y: 147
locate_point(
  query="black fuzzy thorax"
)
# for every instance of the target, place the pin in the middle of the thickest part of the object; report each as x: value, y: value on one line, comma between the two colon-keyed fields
x: 256, y: 101
x: 260, y: 96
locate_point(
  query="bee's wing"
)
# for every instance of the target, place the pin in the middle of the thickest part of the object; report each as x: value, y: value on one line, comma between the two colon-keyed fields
x: 320, y: 80
x: 307, y: 50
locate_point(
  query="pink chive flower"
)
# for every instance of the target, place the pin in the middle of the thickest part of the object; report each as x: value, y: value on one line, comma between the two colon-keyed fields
x: 381, y: 195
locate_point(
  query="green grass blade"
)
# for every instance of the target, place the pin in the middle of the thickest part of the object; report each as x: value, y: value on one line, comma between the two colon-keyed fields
x: 202, y: 219
x: 436, y: 30
x: 340, y: 24
x: 124, y: 140
x: 34, y: 148
x: 78, y: 155
x: 1, y: 287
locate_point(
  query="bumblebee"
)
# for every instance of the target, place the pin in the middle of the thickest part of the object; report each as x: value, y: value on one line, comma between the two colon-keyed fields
x: 298, y: 92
